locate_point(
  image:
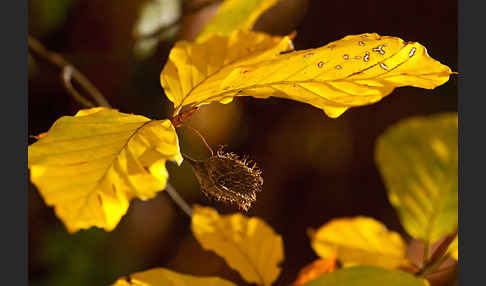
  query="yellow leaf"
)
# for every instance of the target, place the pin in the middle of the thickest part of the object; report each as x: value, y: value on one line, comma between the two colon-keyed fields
x: 354, y: 71
x: 248, y: 245
x: 315, y: 269
x: 89, y: 166
x: 233, y: 15
x: 417, y: 159
x: 453, y: 249
x: 165, y: 277
x: 360, y: 241
x: 195, y: 69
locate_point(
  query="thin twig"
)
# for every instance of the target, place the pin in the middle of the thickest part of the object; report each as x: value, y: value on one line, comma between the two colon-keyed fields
x: 178, y: 199
x: 202, y: 138
x: 438, y: 257
x: 60, y: 62
x: 443, y: 247
x: 66, y: 77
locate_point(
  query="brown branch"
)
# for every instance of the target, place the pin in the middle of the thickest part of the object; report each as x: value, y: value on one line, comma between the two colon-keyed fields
x: 439, y: 256
x: 56, y: 59
x: 442, y: 248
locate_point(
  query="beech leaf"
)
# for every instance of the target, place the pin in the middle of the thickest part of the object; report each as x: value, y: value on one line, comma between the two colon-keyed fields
x: 417, y: 158
x: 248, y: 245
x: 90, y: 165
x: 165, y: 277
x: 367, y: 276
x: 359, y: 241
x: 354, y: 71
x: 195, y: 70
x: 233, y: 15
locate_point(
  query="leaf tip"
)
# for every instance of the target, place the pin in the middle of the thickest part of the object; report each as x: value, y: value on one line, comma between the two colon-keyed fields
x: 334, y: 112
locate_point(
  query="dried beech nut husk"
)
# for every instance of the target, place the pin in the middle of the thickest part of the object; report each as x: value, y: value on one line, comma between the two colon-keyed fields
x: 228, y: 178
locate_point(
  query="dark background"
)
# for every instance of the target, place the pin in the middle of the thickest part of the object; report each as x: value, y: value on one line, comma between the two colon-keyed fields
x: 315, y: 168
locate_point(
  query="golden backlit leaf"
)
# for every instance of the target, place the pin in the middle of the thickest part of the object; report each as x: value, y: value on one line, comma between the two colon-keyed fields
x: 89, y: 166
x: 417, y: 158
x: 367, y: 276
x: 315, y: 269
x: 233, y: 15
x: 195, y: 70
x: 359, y: 241
x: 354, y: 71
x: 165, y: 277
x: 248, y: 245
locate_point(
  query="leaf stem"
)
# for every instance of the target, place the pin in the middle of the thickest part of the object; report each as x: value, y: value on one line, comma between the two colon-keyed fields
x: 66, y: 76
x: 178, y: 199
x: 202, y: 138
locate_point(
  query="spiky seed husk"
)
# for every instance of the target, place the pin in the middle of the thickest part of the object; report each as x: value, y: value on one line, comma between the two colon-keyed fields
x: 227, y: 177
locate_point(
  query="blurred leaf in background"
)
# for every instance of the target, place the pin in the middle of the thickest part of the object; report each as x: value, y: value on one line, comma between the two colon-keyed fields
x: 161, y: 277
x: 158, y: 21
x: 418, y: 159
x: 315, y: 269
x: 359, y: 241
x: 74, y: 260
x: 233, y: 15
x: 367, y: 276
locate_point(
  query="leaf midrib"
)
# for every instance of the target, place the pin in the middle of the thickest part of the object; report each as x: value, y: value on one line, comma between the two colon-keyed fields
x: 90, y: 192
x: 286, y: 82
x: 234, y: 62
